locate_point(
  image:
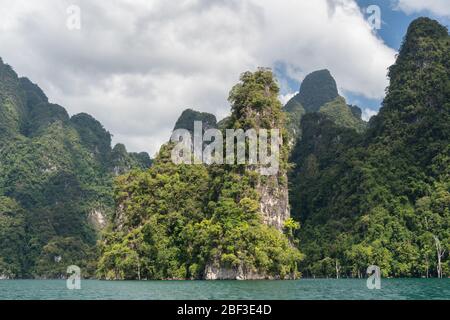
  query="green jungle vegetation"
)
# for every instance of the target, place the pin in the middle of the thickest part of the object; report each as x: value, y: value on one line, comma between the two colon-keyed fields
x: 56, y: 182
x: 174, y: 220
x: 381, y: 197
x: 361, y: 193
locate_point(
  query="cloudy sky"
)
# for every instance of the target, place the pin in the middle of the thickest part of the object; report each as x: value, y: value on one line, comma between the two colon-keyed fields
x: 136, y: 64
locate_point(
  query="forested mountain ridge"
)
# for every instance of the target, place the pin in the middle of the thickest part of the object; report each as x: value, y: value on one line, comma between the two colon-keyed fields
x: 56, y: 179
x: 349, y: 194
x: 382, y: 197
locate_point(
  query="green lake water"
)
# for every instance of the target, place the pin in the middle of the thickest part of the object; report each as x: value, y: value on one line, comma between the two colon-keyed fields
x: 304, y: 289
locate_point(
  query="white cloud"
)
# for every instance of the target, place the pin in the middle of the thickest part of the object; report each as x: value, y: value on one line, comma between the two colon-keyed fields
x: 284, y: 98
x: 437, y: 7
x: 368, y: 113
x: 135, y: 65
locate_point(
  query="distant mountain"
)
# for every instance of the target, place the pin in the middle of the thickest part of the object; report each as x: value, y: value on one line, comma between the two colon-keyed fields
x: 317, y: 89
x: 318, y: 93
x: 122, y: 161
x: 189, y: 116
x: 55, y: 181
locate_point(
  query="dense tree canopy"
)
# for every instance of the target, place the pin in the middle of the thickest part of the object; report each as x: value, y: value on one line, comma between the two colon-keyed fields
x: 175, y: 221
x: 382, y: 197
x: 55, y: 171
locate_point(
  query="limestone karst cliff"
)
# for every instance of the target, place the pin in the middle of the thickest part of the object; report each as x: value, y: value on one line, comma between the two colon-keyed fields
x: 198, y: 221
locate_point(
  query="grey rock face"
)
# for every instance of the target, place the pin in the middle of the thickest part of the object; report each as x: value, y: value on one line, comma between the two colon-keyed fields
x: 274, y: 203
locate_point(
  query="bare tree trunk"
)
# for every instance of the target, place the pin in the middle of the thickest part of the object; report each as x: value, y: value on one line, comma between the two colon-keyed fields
x: 440, y: 253
x: 139, y: 269
x: 338, y: 269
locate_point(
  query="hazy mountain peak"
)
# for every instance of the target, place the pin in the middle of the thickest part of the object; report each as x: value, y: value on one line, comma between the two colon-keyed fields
x: 319, y: 93
x: 318, y: 88
x: 188, y: 116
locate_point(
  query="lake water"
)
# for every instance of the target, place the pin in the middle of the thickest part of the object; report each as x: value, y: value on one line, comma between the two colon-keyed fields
x: 304, y: 289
